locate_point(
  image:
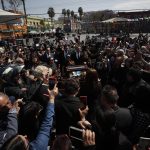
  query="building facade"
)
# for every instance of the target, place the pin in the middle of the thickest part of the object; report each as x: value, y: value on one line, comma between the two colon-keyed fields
x: 38, y: 24
x: 69, y: 24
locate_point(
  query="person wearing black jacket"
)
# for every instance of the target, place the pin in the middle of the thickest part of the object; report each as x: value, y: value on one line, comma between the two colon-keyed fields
x: 67, y: 107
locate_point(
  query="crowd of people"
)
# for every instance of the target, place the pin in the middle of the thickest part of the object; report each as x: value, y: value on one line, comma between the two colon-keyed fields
x: 40, y: 101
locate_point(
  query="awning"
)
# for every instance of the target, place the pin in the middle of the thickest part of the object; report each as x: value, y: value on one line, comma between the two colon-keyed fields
x: 9, y: 18
x: 6, y: 31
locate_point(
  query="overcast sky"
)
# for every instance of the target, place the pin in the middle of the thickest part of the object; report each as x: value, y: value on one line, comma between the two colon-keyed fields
x: 41, y: 6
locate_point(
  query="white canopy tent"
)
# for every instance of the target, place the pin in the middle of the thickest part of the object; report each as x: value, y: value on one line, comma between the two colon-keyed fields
x: 9, y: 18
x: 116, y: 19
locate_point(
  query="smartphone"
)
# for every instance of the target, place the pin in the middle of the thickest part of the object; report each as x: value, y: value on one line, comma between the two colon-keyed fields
x: 75, y: 133
x: 83, y: 100
x: 52, y: 82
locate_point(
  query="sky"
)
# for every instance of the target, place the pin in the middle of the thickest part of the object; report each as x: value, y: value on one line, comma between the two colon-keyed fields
x: 41, y: 6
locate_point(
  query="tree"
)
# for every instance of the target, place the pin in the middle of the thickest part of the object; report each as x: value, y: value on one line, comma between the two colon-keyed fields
x: 51, y: 13
x: 42, y: 24
x: 14, y: 4
x: 72, y: 14
x: 64, y: 12
x: 68, y: 13
x: 2, y: 2
x: 80, y: 11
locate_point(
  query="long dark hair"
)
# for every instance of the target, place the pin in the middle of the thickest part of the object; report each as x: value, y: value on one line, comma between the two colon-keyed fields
x: 14, y: 143
x: 91, y: 75
x: 62, y: 142
x: 92, y: 82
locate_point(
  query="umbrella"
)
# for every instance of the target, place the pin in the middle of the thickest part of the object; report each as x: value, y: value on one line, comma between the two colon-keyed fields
x: 46, y: 31
x: 117, y: 19
x: 33, y: 32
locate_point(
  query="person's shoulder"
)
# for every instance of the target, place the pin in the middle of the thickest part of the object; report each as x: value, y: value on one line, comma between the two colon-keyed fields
x: 44, y: 86
x: 60, y: 99
x: 122, y: 110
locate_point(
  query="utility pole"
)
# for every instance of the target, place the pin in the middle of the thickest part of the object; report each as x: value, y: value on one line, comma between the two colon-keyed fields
x: 2, y: 2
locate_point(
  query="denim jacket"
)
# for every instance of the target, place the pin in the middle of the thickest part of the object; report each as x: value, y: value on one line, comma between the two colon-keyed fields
x: 42, y: 139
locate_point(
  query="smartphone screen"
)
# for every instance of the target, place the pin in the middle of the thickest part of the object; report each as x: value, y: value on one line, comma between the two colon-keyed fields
x: 52, y: 82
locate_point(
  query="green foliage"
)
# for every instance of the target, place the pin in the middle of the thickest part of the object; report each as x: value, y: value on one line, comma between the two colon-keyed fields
x: 14, y: 4
x: 64, y: 12
x: 51, y: 12
x: 80, y: 11
x: 68, y: 13
x: 42, y: 23
x: 72, y: 13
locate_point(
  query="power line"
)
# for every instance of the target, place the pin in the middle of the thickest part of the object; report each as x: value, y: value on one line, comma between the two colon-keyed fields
x: 133, y: 10
x: 45, y: 14
x: 99, y: 10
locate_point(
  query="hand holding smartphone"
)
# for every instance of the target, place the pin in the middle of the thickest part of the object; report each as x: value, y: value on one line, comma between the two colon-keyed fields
x: 52, y: 83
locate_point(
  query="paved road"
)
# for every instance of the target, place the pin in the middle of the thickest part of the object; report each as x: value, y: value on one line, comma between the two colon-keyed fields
x: 83, y: 36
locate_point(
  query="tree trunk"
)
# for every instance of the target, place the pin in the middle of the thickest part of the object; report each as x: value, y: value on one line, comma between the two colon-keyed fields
x: 52, y: 22
x: 2, y: 2
x: 64, y: 21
